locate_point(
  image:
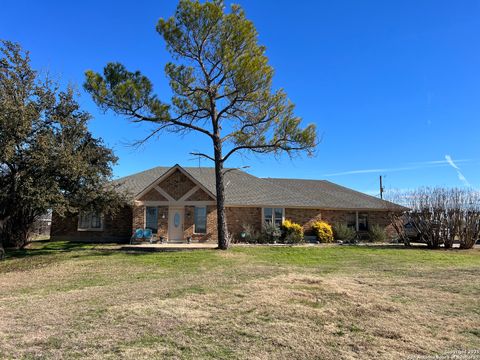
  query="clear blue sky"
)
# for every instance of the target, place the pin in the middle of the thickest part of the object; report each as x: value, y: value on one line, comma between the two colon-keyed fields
x: 394, y: 86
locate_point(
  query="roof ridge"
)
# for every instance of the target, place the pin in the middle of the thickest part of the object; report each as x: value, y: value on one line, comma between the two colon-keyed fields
x: 169, y: 167
x: 276, y: 178
x: 141, y: 172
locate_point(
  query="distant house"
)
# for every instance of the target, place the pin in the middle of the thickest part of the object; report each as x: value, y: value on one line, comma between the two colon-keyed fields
x: 178, y: 203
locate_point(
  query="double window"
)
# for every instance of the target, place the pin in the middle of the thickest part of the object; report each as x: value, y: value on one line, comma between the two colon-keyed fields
x: 273, y: 216
x: 362, y: 221
x: 90, y: 221
x: 200, y: 220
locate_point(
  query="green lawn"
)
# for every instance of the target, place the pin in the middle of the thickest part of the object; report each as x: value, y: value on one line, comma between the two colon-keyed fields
x: 64, y: 300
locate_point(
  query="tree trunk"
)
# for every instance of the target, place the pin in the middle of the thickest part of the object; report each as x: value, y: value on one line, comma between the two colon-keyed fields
x: 15, y: 231
x: 2, y: 252
x: 222, y: 231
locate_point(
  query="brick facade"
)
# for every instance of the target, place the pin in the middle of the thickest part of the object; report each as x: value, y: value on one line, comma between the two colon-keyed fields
x: 177, y: 184
x: 237, y: 217
x: 138, y: 217
x: 116, y: 228
x: 199, y: 195
x: 304, y: 217
x: 129, y: 218
x: 188, y: 230
x: 162, y: 221
x: 123, y: 224
x: 153, y: 195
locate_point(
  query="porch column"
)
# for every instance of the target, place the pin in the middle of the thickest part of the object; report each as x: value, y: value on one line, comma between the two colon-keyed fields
x: 356, y: 221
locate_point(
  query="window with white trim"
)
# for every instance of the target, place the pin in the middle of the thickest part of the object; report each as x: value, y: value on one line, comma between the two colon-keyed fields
x: 90, y: 220
x: 200, y: 220
x: 151, y: 218
x: 362, y: 221
x: 273, y: 216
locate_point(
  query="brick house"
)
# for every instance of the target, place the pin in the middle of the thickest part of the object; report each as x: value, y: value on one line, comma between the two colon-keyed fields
x: 178, y: 203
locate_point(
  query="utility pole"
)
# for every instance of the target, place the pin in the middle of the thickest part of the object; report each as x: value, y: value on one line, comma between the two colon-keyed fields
x: 381, y: 188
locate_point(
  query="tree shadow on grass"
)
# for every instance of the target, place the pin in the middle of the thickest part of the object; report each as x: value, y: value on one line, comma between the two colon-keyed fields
x: 53, y: 248
x: 412, y: 246
x: 416, y: 246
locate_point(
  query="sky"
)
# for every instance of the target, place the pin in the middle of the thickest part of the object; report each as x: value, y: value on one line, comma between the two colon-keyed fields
x: 393, y: 86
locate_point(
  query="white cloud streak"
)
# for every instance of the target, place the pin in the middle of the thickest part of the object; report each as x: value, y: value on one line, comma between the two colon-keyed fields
x: 407, y: 167
x: 450, y: 162
x: 460, y: 175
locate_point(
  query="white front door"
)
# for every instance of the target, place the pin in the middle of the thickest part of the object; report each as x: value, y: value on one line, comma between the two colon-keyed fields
x: 175, y: 223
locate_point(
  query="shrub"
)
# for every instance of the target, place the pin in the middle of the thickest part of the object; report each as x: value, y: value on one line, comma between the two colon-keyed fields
x: 292, y: 233
x: 441, y: 216
x: 377, y: 234
x: 251, y: 235
x: 270, y: 233
x: 323, y: 231
x: 343, y: 232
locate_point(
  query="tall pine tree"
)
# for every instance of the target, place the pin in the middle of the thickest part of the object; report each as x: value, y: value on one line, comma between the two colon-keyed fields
x: 222, y: 89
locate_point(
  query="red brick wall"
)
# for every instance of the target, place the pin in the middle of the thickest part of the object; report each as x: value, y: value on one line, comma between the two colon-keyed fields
x: 162, y: 221
x: 238, y: 216
x: 374, y: 217
x: 116, y: 228
x: 211, y: 234
x: 121, y: 227
x: 153, y: 195
x: 200, y: 195
x: 304, y: 217
x: 177, y: 185
x: 138, y: 218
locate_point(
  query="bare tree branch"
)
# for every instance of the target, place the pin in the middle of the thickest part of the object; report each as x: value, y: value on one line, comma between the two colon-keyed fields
x: 203, y: 155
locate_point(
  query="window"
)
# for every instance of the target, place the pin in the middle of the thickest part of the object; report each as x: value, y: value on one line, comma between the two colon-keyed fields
x: 352, y: 221
x: 273, y: 216
x: 90, y: 221
x: 200, y: 220
x: 151, y: 218
x: 362, y: 222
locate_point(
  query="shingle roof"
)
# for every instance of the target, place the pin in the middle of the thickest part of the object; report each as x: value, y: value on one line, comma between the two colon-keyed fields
x: 333, y: 196
x: 248, y: 190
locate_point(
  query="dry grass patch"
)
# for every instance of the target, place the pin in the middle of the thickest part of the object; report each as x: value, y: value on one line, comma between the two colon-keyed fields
x: 249, y: 303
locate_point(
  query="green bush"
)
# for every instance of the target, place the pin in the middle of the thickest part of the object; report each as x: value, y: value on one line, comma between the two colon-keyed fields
x: 323, y: 231
x: 292, y: 233
x: 271, y: 233
x: 250, y: 234
x: 377, y: 234
x: 343, y: 232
